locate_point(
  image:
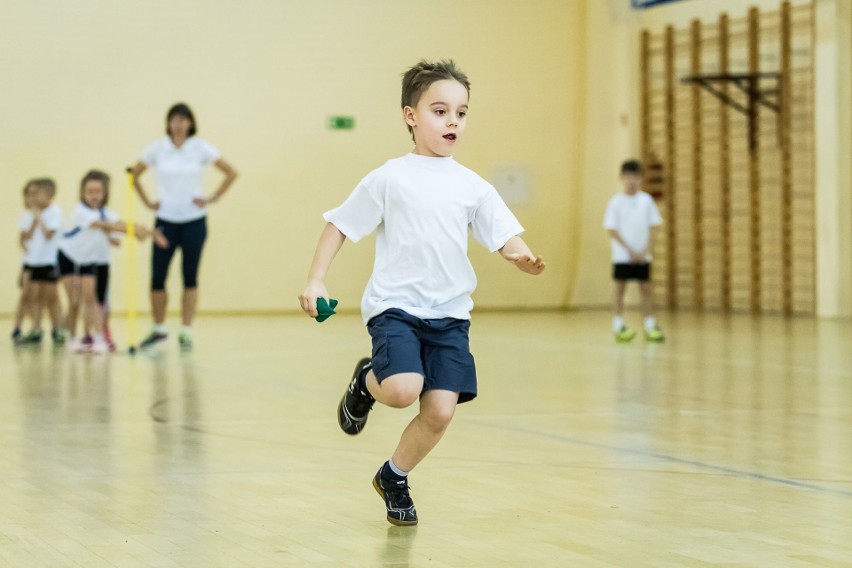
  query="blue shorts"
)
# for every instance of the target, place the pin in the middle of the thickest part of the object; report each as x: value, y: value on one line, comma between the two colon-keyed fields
x: 437, y: 349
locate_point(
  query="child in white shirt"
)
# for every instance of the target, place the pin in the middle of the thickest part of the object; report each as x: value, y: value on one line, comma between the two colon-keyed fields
x: 38, y: 226
x: 630, y: 219
x: 78, y: 254
x: 418, y: 300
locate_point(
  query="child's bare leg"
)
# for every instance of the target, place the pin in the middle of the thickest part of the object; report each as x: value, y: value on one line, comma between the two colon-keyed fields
x: 89, y: 303
x: 38, y: 299
x: 647, y: 290
x: 397, y: 391
x: 23, y: 305
x: 426, y: 429
x: 618, y: 299
x: 72, y: 291
x: 50, y: 293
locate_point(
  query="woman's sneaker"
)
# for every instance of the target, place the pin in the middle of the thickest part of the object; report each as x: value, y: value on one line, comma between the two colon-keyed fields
x: 624, y: 334
x: 654, y: 335
x: 153, y: 338
x: 401, y: 511
x: 355, y: 405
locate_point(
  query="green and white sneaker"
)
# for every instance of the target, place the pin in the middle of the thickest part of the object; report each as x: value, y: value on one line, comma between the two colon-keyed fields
x: 153, y: 338
x: 654, y: 335
x: 624, y: 335
x: 32, y: 338
x: 185, y: 341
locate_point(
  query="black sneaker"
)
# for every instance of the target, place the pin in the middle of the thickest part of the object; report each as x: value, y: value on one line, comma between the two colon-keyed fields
x: 355, y: 405
x: 16, y: 334
x: 32, y: 338
x: 153, y: 338
x: 398, y: 502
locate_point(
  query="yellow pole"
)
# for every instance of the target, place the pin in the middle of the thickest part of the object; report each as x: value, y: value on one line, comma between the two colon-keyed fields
x: 132, y: 264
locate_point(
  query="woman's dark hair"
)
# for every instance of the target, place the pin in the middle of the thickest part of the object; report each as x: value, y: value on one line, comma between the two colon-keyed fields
x: 181, y: 109
x: 96, y: 175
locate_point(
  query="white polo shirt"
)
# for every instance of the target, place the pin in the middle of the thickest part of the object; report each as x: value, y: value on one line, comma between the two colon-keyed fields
x: 632, y: 216
x: 41, y: 251
x: 422, y: 209
x: 179, y: 176
x: 82, y: 243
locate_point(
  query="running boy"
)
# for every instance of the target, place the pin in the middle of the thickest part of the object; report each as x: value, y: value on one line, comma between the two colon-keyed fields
x: 631, y: 218
x: 418, y: 300
x: 39, y: 226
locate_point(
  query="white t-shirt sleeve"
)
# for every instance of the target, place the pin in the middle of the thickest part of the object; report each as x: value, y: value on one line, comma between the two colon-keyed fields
x: 493, y: 223
x: 151, y: 153
x: 209, y: 152
x: 25, y: 221
x: 362, y: 211
x: 52, y: 218
x: 84, y: 217
x: 610, y: 222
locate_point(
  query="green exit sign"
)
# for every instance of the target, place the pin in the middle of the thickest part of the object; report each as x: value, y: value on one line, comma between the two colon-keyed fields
x: 341, y: 122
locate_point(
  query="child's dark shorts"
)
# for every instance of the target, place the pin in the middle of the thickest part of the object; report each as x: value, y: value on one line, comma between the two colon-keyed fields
x: 48, y: 273
x: 437, y: 349
x: 640, y: 272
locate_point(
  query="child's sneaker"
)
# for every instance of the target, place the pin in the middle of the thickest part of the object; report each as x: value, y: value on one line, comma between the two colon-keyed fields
x: 654, y: 335
x: 355, y: 405
x: 624, y: 335
x: 185, y: 341
x: 32, y: 338
x: 58, y: 337
x: 99, y: 347
x: 153, y: 338
x: 401, y: 511
x: 87, y: 340
x: 16, y: 334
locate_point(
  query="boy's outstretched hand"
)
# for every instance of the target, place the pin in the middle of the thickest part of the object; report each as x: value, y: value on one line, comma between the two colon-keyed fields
x: 526, y: 262
x: 308, y: 297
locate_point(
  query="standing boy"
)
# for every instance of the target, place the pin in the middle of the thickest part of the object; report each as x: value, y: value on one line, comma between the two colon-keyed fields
x: 631, y: 218
x: 418, y: 300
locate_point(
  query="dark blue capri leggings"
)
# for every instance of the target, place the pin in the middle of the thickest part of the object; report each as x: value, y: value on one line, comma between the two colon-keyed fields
x: 190, y: 238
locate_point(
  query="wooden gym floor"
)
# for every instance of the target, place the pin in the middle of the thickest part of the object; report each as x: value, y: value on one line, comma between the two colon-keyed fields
x: 729, y: 445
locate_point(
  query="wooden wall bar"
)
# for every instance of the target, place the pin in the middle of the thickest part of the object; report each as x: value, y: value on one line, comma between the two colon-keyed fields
x: 670, y: 169
x: 786, y: 179
x: 697, y: 170
x: 754, y: 161
x: 725, y: 167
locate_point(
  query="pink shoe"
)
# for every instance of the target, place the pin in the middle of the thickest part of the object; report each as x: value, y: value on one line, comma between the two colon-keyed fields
x: 81, y: 347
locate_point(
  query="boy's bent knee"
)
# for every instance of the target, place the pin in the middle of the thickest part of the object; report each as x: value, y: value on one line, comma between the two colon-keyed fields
x: 438, y: 417
x: 401, y: 390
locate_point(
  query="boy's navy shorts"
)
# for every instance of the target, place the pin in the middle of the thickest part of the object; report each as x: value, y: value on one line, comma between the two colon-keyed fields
x: 437, y: 349
x: 640, y: 272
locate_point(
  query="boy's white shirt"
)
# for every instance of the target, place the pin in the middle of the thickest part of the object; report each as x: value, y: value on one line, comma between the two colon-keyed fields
x: 82, y: 243
x: 40, y: 250
x: 632, y: 216
x: 179, y: 176
x: 421, y: 208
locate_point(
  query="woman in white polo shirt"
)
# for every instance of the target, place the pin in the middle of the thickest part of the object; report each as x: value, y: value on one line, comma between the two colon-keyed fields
x: 181, y: 213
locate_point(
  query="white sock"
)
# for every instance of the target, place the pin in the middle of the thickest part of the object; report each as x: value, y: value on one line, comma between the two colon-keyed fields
x: 98, y: 338
x: 160, y: 328
x: 617, y: 323
x: 396, y: 469
x: 650, y: 323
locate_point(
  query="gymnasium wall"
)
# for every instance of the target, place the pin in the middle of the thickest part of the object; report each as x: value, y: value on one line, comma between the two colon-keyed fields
x: 87, y: 84
x: 612, y: 133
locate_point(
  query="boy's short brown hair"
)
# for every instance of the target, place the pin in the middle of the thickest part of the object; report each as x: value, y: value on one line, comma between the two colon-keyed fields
x: 45, y: 184
x: 417, y: 79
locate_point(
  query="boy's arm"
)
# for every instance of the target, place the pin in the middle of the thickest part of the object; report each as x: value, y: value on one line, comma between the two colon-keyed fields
x: 27, y: 234
x: 634, y: 256
x: 517, y: 252
x: 47, y: 231
x: 328, y: 246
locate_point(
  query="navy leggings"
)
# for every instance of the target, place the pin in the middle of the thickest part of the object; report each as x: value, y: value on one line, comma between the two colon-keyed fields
x: 190, y: 238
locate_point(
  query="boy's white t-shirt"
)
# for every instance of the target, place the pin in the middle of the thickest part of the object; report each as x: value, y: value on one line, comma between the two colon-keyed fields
x: 421, y: 208
x: 82, y: 243
x: 179, y: 176
x: 632, y: 216
x: 41, y: 251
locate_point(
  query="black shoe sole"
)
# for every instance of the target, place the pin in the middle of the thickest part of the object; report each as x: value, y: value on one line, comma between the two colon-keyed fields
x: 390, y: 519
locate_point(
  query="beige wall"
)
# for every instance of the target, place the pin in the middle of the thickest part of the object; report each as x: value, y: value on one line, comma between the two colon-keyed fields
x: 554, y: 91
x: 87, y: 84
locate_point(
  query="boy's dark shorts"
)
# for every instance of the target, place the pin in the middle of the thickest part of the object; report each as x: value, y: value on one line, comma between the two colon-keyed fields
x: 640, y: 272
x: 42, y: 273
x: 67, y: 267
x: 437, y: 349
